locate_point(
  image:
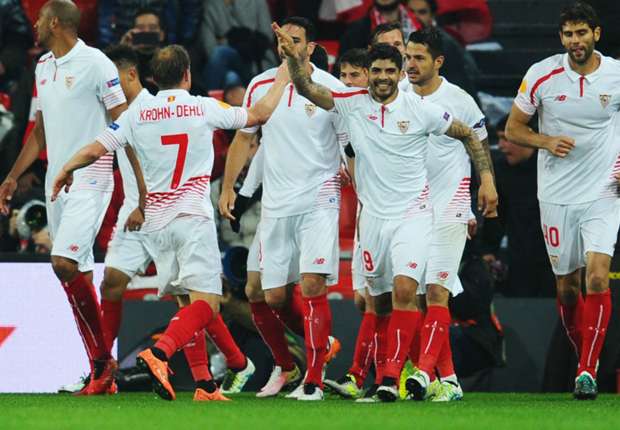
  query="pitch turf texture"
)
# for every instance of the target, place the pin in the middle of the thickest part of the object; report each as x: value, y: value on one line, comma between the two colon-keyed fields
x: 137, y: 411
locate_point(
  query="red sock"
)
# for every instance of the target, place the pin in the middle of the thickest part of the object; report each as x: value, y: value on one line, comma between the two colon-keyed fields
x: 317, y: 325
x: 272, y: 332
x: 362, y: 356
x: 403, y: 324
x: 197, y: 358
x: 571, y: 316
x: 188, y: 321
x: 433, y: 335
x: 596, y: 313
x: 292, y: 315
x: 83, y: 300
x: 445, y: 365
x: 111, y: 314
x: 414, y: 351
x: 383, y: 321
x: 221, y: 337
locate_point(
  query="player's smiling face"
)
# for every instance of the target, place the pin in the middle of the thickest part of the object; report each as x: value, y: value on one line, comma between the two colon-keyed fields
x: 353, y: 76
x: 421, y: 66
x: 383, y: 77
x: 579, y: 40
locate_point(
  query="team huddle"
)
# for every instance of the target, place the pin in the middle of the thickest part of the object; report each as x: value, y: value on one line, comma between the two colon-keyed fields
x: 406, y: 137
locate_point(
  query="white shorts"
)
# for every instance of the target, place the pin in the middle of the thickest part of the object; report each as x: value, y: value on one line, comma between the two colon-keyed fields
x: 392, y: 247
x: 306, y: 243
x: 127, y: 252
x: 253, y: 263
x: 186, y: 249
x: 74, y: 220
x: 571, y: 231
x: 444, y: 257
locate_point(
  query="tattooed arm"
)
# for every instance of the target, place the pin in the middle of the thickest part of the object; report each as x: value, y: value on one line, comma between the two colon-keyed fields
x: 481, y: 157
x: 316, y: 93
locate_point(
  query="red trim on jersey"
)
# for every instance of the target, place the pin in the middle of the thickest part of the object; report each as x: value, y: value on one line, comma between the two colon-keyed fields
x: 581, y: 79
x: 344, y: 95
x: 43, y: 60
x: 542, y: 80
x: 382, y: 115
x: 290, y: 95
x: 256, y: 85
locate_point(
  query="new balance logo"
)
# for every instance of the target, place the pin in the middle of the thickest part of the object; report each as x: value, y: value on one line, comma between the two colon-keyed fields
x: 319, y: 261
x: 560, y: 98
x: 373, y: 117
x: 412, y: 265
x: 74, y: 248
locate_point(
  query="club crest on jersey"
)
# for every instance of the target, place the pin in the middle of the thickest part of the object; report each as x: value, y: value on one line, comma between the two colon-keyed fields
x: 604, y: 98
x: 403, y: 126
x: 69, y: 80
x: 310, y: 109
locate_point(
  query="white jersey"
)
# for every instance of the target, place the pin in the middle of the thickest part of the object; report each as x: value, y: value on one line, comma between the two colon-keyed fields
x: 448, y: 164
x: 254, y: 177
x: 172, y: 135
x: 390, y: 143
x: 130, y: 185
x: 301, y: 149
x: 74, y: 93
x: 580, y: 107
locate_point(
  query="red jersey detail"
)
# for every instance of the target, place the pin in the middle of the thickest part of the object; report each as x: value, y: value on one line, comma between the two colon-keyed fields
x: 256, y: 85
x: 290, y: 95
x: 351, y: 94
x: 581, y: 79
x: 542, y: 80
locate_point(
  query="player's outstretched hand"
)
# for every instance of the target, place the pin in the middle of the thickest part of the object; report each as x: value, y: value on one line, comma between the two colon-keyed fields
x: 134, y: 220
x: 285, y: 41
x: 227, y: 203
x: 7, y: 189
x: 560, y: 146
x: 64, y: 179
x: 487, y: 199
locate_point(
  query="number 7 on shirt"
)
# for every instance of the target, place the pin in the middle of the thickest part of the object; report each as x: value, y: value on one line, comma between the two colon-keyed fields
x: 181, y: 140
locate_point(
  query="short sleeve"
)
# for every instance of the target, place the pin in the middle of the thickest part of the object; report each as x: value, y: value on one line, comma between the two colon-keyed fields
x: 528, y: 95
x: 476, y: 119
x: 345, y: 99
x: 255, y: 174
x: 115, y: 136
x: 222, y: 115
x: 437, y: 119
x: 252, y: 95
x: 108, y: 84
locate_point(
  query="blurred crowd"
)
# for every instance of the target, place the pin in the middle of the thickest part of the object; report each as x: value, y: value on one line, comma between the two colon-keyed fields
x: 230, y: 41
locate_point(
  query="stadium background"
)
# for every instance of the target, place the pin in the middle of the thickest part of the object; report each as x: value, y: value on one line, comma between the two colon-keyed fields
x: 495, y: 42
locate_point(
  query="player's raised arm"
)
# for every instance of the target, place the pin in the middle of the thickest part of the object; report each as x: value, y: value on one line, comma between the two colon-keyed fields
x: 316, y: 93
x: 29, y: 153
x: 262, y: 110
x: 480, y: 156
x: 238, y: 154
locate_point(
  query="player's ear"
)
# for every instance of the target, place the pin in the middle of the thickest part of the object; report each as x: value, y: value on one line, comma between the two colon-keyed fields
x: 439, y: 61
x: 311, y: 46
x: 597, y: 34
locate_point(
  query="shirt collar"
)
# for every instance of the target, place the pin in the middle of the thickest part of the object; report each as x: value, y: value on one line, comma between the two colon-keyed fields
x: 143, y: 93
x: 172, y: 92
x: 72, y: 53
x: 590, y: 77
x: 393, y: 105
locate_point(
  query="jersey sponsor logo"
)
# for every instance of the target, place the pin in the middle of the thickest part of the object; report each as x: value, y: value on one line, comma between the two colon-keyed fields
x: 310, y: 109
x: 113, y: 82
x: 114, y: 126
x: 560, y: 98
x: 319, y: 261
x: 74, y: 248
x: 69, y: 80
x: 523, y: 87
x: 403, y: 126
x: 605, y: 99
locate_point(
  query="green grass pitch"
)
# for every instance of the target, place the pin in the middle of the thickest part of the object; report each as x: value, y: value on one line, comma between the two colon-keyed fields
x: 145, y: 411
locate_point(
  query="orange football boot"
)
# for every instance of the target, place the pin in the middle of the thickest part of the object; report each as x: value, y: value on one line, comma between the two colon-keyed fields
x: 201, y: 395
x: 158, y: 370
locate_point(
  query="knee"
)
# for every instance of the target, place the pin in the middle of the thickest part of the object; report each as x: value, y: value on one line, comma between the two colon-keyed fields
x: 597, y: 282
x: 569, y: 288
x: 111, y: 290
x: 360, y: 303
x: 437, y: 295
x: 312, y: 285
x: 276, y: 298
x: 404, y: 293
x: 253, y: 291
x: 64, y: 268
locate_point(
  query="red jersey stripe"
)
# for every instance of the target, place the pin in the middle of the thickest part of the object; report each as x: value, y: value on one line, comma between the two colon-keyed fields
x: 351, y: 94
x: 542, y: 80
x: 255, y: 86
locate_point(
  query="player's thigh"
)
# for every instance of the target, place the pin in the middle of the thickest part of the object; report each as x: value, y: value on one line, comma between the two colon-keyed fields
x: 561, y: 232
x: 599, y: 227
x: 447, y: 244
x: 410, y: 246
x: 279, y: 252
x: 127, y: 252
x: 194, y: 240
x: 80, y: 219
x: 318, y: 243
